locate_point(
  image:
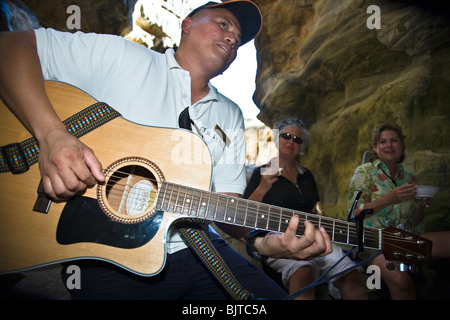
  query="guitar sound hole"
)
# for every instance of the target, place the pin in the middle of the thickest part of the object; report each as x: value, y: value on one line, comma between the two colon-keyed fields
x: 130, y: 189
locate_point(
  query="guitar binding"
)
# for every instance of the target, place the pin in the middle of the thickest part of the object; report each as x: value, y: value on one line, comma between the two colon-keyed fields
x: 129, y: 192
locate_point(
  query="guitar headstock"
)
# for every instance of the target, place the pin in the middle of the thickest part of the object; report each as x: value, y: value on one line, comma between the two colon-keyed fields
x: 406, y: 247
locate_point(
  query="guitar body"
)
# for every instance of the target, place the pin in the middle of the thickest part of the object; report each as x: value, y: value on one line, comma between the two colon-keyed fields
x: 81, y: 228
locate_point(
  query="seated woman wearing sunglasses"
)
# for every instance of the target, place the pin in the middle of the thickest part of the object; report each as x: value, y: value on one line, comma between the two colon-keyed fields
x: 294, y: 187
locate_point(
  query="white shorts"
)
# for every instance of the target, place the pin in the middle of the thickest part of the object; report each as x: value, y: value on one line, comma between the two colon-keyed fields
x: 320, y: 265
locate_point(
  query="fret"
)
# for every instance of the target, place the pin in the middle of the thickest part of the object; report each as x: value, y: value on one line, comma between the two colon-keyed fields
x: 217, y: 208
x: 263, y: 218
x: 226, y: 209
x: 190, y: 201
x: 182, y: 199
x: 372, y: 238
x: 245, y: 215
x: 194, y: 204
x: 220, y: 215
x: 316, y: 220
x: 340, y: 234
x: 250, y: 219
x: 284, y: 219
x: 169, y: 205
x: 241, y: 217
x: 162, y: 205
x: 201, y: 206
x: 175, y: 206
x: 207, y: 206
x: 159, y: 199
x: 268, y: 217
x: 187, y: 202
x: 334, y: 229
x: 212, y: 206
x: 353, y: 234
x: 273, y: 222
x: 227, y: 217
x: 348, y: 233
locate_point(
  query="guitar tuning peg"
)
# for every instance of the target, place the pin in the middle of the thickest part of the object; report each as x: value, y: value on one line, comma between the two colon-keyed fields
x: 390, y: 223
x: 403, y: 267
x: 390, y: 265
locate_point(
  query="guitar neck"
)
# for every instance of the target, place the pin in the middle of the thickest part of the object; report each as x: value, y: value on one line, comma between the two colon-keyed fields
x: 205, y: 205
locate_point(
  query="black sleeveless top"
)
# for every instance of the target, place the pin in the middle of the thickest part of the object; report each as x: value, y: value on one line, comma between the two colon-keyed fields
x: 301, y: 196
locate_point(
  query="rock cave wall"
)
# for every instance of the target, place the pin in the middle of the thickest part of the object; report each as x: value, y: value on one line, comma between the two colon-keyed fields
x: 319, y: 61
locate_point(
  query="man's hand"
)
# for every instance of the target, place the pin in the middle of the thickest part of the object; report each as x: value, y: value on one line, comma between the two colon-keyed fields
x: 314, y: 242
x: 67, y: 166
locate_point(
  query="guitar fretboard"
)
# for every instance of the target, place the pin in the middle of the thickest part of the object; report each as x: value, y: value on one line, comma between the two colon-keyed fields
x: 211, y: 206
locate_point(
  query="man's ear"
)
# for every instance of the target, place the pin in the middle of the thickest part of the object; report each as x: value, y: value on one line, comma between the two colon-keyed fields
x: 186, y: 24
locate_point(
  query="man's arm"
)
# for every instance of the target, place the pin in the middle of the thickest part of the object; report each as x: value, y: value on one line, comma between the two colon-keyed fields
x: 67, y: 166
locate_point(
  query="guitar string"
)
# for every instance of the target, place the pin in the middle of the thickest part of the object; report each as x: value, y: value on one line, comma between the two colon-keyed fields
x: 417, y: 253
x: 311, y: 217
x: 221, y: 200
x: 254, y: 212
x: 320, y: 221
x: 371, y: 237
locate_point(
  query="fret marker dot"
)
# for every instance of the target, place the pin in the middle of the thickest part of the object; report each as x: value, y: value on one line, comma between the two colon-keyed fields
x: 232, y: 200
x: 262, y: 216
x: 187, y: 200
x: 229, y: 218
x: 203, y: 204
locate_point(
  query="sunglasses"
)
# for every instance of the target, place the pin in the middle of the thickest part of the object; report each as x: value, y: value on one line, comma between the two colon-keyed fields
x: 288, y: 136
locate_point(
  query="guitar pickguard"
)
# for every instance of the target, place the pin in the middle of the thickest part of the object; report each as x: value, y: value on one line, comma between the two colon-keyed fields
x: 82, y: 220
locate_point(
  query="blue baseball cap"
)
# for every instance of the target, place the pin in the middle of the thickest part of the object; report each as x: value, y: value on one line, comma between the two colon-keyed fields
x: 247, y: 13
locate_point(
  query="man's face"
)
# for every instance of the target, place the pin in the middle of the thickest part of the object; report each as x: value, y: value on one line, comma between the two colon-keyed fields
x: 217, y: 36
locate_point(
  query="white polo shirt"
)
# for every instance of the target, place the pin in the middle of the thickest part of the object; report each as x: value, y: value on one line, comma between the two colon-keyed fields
x: 148, y: 88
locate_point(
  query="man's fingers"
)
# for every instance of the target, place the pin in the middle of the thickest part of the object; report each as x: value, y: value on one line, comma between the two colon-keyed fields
x: 326, y: 237
x: 94, y: 166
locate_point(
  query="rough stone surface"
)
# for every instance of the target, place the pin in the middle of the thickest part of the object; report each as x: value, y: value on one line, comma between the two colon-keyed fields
x: 318, y: 60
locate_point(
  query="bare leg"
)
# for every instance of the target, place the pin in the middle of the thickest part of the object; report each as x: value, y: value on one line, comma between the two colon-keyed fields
x: 351, y: 286
x: 399, y: 283
x: 300, y: 279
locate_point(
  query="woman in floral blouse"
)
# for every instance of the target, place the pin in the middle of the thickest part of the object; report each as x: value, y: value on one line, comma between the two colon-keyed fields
x: 388, y: 189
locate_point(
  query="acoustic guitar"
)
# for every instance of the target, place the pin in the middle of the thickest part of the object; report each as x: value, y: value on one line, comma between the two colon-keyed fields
x: 154, y: 177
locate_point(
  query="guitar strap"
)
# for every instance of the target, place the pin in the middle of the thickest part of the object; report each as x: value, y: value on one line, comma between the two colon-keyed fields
x: 18, y: 157
x: 200, y: 243
x: 198, y: 240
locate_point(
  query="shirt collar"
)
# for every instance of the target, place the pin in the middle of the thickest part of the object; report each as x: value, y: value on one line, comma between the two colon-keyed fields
x: 171, y: 61
x: 196, y: 110
x: 381, y: 165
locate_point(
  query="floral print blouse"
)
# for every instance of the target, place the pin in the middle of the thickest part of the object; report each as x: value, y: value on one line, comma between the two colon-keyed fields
x: 372, y: 180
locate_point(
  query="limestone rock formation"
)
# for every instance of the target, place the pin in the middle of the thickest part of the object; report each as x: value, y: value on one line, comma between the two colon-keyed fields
x: 319, y: 60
